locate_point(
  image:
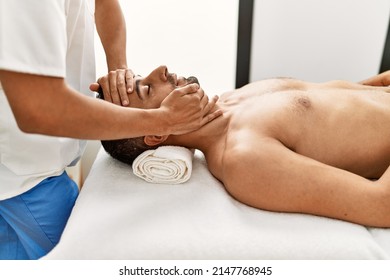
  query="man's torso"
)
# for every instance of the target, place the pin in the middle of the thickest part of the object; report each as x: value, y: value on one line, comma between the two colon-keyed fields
x: 341, y: 124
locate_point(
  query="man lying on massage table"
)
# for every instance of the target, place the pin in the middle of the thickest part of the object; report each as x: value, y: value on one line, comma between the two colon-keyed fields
x: 286, y: 145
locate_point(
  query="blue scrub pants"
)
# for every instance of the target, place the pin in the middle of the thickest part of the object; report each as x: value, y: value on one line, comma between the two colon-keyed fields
x: 31, y: 224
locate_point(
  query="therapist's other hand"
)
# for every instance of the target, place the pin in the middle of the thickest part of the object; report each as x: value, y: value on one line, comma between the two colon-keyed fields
x: 187, y: 109
x: 116, y: 86
x: 383, y: 79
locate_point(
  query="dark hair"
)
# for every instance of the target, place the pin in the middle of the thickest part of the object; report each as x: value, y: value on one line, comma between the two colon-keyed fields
x: 124, y: 150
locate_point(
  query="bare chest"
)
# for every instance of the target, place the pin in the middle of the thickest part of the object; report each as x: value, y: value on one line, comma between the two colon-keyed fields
x: 346, y: 130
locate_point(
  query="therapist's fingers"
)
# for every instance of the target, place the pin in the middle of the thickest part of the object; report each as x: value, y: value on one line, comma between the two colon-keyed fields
x: 206, y: 104
x: 94, y: 87
x: 116, y: 86
x: 129, y: 80
x: 204, y: 99
x: 121, y: 88
x: 113, y: 89
x: 102, y: 88
x: 189, y: 109
x: 210, y: 106
x: 209, y: 114
x: 105, y: 88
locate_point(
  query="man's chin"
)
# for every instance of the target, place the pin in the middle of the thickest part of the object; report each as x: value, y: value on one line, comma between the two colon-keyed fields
x: 192, y: 80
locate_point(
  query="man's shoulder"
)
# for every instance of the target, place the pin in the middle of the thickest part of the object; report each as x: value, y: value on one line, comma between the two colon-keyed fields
x: 253, y: 151
x: 243, y: 163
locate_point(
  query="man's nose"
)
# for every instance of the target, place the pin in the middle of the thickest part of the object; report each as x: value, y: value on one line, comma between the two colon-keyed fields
x: 158, y: 74
x: 162, y: 68
x: 161, y: 72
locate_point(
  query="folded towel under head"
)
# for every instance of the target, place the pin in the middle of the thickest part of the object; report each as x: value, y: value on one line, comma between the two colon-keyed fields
x: 164, y: 165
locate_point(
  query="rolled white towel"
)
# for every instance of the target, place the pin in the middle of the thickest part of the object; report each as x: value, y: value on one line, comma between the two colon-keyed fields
x: 164, y: 165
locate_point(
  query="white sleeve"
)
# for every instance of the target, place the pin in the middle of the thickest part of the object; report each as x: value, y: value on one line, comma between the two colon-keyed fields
x: 33, y: 36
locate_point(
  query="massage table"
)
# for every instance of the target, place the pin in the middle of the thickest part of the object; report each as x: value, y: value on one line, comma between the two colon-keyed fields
x: 120, y: 216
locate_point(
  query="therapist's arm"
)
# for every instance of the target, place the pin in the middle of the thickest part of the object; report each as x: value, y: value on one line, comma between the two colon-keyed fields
x: 46, y: 105
x: 111, y: 27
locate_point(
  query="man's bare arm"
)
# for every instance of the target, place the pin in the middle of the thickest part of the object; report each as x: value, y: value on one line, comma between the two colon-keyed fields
x: 46, y: 105
x: 382, y: 79
x: 278, y: 179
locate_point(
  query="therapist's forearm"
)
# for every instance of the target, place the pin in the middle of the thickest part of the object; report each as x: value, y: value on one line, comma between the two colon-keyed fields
x: 111, y: 27
x: 46, y: 105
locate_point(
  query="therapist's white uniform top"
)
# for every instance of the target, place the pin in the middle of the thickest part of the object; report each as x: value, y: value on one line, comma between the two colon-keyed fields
x: 50, y: 38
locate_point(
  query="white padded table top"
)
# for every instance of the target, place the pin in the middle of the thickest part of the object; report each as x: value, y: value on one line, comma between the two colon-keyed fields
x: 119, y: 216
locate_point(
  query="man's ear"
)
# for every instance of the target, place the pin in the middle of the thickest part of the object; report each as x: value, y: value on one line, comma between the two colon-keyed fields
x: 153, y: 140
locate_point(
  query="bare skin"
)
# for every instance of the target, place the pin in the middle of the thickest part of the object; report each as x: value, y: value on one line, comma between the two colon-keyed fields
x: 291, y: 146
x: 307, y: 148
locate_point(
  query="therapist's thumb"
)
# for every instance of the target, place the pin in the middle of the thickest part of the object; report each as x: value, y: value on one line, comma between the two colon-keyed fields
x: 94, y: 87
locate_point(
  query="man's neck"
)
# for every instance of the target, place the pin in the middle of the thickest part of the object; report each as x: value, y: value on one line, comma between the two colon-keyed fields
x: 205, y: 138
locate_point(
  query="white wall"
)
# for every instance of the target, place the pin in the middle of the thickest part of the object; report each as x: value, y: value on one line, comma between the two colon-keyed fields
x: 191, y: 37
x: 318, y: 40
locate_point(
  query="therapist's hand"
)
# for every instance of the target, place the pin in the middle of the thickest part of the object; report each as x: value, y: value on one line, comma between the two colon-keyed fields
x: 187, y: 109
x: 383, y: 79
x: 116, y: 86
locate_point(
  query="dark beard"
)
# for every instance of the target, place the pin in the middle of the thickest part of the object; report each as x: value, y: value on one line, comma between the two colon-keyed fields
x: 192, y: 80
